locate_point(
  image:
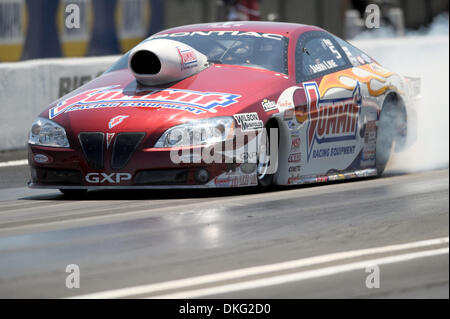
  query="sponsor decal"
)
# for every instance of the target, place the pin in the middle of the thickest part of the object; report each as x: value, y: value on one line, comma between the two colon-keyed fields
x: 295, y: 143
x: 322, y: 179
x: 109, y: 138
x: 112, y: 96
x: 331, y: 120
x: 333, y: 151
x: 369, y: 154
x: 269, y: 105
x: 272, y: 36
x: 294, y: 158
x: 294, y: 169
x: 351, y: 175
x: 249, y: 121
x: 116, y: 121
x: 333, y: 177
x: 370, y: 134
x: 323, y: 66
x: 285, y: 102
x: 222, y: 181
x: 289, y: 114
x: 236, y: 181
x: 291, y: 124
x: 188, y: 58
x: 360, y: 60
x: 293, y: 179
x: 366, y: 172
x: 113, y: 178
x: 287, y: 107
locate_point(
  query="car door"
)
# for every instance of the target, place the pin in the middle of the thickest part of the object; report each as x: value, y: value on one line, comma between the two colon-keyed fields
x: 327, y: 120
x: 372, y: 78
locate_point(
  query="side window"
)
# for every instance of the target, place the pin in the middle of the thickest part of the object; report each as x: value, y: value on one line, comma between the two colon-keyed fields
x: 317, y: 54
x: 355, y: 56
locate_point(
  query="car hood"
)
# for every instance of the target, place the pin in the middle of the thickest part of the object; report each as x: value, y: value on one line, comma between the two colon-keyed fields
x: 115, y: 102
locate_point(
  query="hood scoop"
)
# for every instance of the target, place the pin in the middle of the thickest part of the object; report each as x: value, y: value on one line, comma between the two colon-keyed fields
x: 163, y: 61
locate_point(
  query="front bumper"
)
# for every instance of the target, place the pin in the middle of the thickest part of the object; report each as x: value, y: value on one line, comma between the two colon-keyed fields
x: 39, y: 186
x: 147, y: 169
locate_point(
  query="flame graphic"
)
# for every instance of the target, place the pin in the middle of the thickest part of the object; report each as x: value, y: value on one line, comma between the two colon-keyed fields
x: 373, y: 72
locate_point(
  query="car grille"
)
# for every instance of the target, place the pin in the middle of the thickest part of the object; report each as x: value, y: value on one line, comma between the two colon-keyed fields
x: 124, y: 147
x: 92, y: 145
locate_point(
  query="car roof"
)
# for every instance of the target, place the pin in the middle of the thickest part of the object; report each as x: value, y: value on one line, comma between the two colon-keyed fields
x: 283, y: 28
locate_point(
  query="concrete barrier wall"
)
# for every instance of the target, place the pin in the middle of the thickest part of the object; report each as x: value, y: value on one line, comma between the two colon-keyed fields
x: 26, y: 89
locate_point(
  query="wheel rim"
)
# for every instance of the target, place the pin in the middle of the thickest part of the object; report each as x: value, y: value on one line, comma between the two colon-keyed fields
x: 263, y: 160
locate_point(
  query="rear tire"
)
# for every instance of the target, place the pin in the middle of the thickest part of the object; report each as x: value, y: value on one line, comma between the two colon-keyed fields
x: 389, y: 130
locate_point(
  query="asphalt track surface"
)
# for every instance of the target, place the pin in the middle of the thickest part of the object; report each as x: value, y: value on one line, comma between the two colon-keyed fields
x: 229, y: 243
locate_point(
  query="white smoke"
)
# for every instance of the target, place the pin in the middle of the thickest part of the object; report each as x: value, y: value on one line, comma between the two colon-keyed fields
x: 425, y: 54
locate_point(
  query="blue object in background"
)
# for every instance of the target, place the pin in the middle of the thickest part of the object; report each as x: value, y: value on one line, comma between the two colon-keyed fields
x: 44, y: 36
x: 41, y: 37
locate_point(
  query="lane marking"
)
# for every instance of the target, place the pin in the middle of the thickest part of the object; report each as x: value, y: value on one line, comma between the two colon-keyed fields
x: 258, y: 270
x: 14, y: 163
x: 298, y: 276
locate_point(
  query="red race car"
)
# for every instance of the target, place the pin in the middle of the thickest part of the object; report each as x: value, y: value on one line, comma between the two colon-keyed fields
x: 226, y: 105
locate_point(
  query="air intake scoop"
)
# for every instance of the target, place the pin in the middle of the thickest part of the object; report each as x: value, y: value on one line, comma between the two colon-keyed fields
x: 164, y: 61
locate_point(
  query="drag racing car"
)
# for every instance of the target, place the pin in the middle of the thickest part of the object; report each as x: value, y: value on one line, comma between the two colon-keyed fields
x: 229, y: 104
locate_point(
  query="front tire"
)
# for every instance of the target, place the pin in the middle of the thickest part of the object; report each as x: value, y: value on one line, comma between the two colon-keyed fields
x: 265, y: 179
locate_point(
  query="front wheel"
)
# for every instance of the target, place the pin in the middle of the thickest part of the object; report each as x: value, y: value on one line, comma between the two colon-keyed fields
x: 265, y: 167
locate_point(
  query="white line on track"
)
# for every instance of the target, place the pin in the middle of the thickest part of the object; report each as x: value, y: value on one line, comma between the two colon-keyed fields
x: 298, y: 276
x: 14, y: 163
x: 260, y: 270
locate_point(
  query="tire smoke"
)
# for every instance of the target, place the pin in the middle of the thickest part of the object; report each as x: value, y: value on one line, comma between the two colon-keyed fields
x: 424, y: 54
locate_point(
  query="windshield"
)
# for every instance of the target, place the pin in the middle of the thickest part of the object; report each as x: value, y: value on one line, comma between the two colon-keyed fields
x: 251, y: 49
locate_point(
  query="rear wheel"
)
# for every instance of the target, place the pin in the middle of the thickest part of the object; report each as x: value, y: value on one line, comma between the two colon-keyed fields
x: 383, y: 151
x: 391, y: 126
